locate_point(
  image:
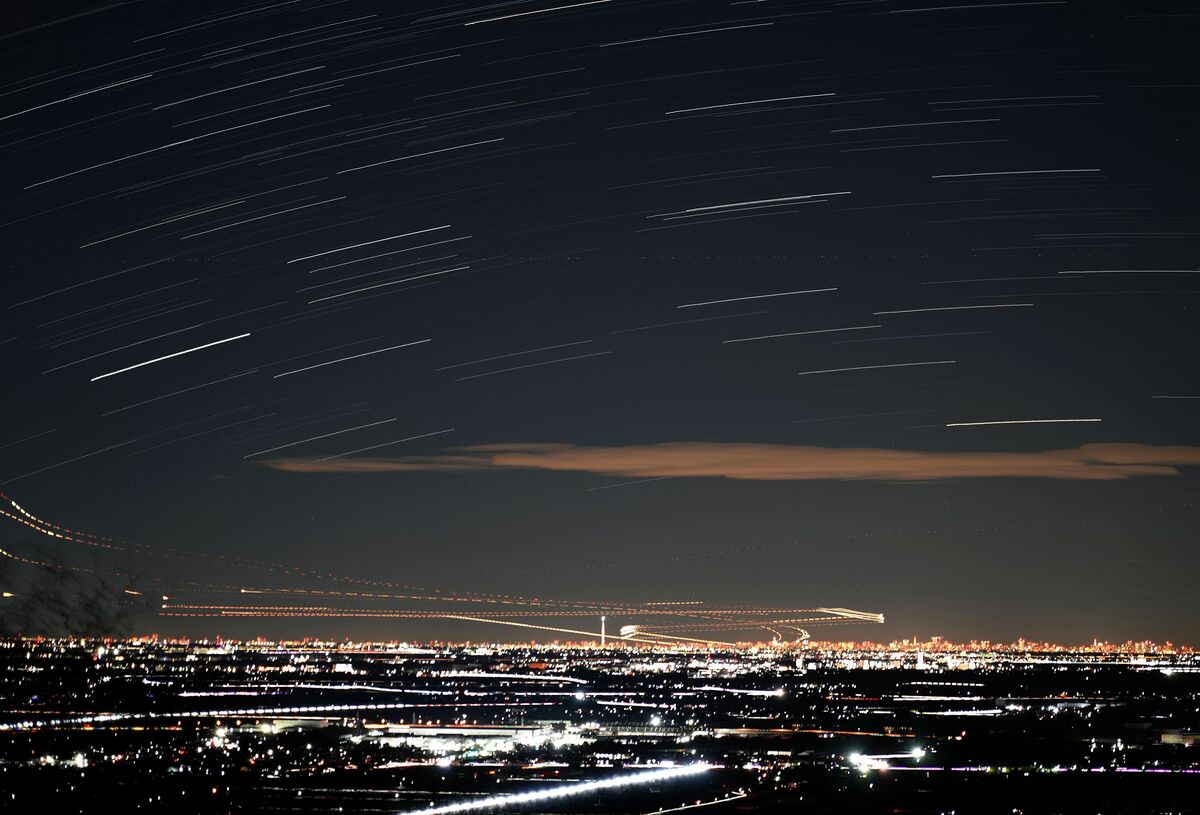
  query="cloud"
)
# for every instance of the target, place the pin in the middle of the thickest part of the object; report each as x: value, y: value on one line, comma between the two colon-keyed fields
x: 777, y: 462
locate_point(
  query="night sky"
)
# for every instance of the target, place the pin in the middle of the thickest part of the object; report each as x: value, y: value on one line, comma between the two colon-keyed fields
x: 625, y: 301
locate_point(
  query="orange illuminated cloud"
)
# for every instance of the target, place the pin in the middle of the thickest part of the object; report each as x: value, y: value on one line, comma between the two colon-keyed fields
x: 778, y: 462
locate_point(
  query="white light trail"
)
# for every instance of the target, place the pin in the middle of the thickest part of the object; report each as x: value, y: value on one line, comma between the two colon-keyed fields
x: 389, y: 283
x: 751, y: 102
x: 1014, y: 172
x: 68, y: 461
x: 385, y: 444
x: 353, y: 356
x: 538, y: 11
x: 742, y: 691
x: 870, y: 616
x: 176, y: 393
x: 261, y: 217
x: 911, y: 124
x: 755, y: 297
x: 805, y: 333
x: 977, y: 5
x: 1020, y: 421
x: 1131, y: 271
x: 409, y: 265
x: 950, y: 308
x: 527, y: 677
x: 416, y: 155
x: 369, y: 243
x: 171, y: 356
x: 581, y: 788
x: 164, y: 222
x: 388, y: 254
x: 77, y: 96
x: 513, y: 354
x: 238, y: 87
x: 322, y: 436
x: 874, y: 367
x: 168, y: 146
x: 532, y: 365
x: 685, y: 34
x: 734, y: 797
x: 735, y: 206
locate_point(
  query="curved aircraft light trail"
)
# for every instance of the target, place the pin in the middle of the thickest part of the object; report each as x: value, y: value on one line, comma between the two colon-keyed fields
x: 660, y: 622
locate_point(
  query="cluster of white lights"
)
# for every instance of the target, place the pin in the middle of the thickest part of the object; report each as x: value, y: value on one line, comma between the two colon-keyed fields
x: 562, y: 792
x: 880, y: 762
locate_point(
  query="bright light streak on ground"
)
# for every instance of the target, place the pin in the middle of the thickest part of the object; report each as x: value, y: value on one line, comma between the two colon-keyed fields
x: 734, y: 797
x: 575, y: 789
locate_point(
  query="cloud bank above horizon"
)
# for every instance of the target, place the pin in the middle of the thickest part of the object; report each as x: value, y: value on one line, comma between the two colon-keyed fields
x: 1108, y: 461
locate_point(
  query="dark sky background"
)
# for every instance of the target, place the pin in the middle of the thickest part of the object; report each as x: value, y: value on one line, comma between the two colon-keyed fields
x: 542, y: 223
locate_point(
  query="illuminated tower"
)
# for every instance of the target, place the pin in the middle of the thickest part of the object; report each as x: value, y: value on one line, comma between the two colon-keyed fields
x: 603, y: 619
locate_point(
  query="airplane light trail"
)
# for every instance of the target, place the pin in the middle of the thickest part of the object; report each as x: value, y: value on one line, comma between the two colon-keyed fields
x: 689, y: 619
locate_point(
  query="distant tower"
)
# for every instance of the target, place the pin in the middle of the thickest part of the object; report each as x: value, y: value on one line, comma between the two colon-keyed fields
x: 920, y: 660
x: 603, y: 619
